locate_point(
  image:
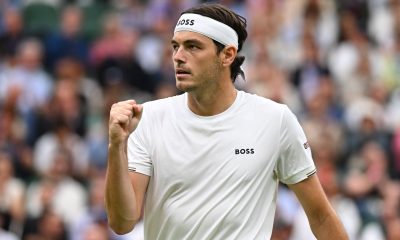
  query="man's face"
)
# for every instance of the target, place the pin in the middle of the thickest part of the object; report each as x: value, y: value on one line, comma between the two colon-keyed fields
x: 196, y: 62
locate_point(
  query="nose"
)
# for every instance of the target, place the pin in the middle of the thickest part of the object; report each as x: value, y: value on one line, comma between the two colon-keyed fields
x: 178, y: 55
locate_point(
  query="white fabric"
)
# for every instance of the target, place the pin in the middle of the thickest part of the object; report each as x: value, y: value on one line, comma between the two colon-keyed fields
x: 35, y: 87
x: 69, y: 199
x: 209, y: 27
x: 199, y: 187
x: 5, y: 235
x: 10, y: 192
x: 47, y: 146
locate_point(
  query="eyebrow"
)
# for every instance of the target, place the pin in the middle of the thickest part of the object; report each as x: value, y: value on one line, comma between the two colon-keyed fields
x: 188, y: 41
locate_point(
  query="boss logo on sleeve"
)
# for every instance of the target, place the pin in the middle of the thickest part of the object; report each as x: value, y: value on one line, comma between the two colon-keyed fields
x: 189, y: 22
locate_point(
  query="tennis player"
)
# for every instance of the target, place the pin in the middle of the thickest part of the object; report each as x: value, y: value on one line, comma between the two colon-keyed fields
x: 206, y: 164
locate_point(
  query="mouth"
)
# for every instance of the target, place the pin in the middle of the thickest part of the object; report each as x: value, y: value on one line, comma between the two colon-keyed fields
x: 181, y: 72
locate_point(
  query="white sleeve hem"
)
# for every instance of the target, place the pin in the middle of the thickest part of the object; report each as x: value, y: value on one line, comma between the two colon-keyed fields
x: 300, y: 176
x: 134, y: 167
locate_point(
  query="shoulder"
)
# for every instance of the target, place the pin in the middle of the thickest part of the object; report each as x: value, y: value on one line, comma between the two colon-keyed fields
x: 263, y: 105
x: 163, y: 106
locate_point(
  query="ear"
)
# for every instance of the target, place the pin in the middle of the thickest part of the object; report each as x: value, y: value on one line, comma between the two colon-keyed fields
x: 228, y: 55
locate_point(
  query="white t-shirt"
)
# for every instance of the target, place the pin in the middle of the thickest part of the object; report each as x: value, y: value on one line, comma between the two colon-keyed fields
x: 216, y: 177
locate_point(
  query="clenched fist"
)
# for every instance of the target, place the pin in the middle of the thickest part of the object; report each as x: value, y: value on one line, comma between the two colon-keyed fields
x: 124, y: 118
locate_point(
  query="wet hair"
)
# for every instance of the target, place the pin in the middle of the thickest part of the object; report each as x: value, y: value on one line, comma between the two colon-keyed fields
x: 238, y: 23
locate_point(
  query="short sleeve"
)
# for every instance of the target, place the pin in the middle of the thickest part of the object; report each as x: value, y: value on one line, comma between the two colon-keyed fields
x: 295, y: 161
x: 139, y: 159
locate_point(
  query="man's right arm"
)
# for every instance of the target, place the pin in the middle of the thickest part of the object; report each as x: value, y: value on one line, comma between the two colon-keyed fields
x: 125, y: 191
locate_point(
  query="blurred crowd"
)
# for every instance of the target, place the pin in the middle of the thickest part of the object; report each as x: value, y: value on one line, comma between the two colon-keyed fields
x: 335, y: 63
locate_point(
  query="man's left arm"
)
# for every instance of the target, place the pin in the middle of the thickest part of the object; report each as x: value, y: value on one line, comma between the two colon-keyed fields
x: 323, y: 220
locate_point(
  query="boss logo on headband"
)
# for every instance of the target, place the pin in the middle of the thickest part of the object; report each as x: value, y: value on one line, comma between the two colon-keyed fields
x: 185, y: 22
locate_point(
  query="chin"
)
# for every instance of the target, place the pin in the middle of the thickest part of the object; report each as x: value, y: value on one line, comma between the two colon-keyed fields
x: 184, y: 87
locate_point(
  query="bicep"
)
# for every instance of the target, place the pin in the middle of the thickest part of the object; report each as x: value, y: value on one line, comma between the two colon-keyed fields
x: 139, y: 183
x: 312, y: 197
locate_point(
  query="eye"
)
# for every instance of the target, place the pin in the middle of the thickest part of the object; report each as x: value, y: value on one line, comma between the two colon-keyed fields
x: 193, y: 47
x: 174, y: 47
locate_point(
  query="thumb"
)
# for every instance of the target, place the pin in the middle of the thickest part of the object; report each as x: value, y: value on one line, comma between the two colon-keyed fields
x: 137, y: 111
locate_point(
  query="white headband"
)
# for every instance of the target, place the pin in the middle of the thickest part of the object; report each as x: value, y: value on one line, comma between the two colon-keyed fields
x: 209, y: 27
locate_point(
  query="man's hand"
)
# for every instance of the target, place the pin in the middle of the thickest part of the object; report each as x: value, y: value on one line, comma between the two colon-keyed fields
x: 124, y: 118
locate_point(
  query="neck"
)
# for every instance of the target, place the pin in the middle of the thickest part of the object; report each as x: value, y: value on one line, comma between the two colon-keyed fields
x: 213, y: 100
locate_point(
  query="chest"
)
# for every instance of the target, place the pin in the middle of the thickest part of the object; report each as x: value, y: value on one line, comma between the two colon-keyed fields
x: 237, y: 149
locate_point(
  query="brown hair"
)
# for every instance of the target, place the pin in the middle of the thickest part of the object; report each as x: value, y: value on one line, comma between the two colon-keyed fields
x: 238, y: 23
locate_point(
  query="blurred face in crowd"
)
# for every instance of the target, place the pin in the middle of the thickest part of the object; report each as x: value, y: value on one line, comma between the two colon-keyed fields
x: 111, y: 26
x: 13, y: 21
x: 71, y: 21
x: 51, y: 226
x: 60, y: 166
x: 6, y: 169
x: 66, y: 98
x: 30, y: 55
x: 70, y: 69
x: 195, y: 60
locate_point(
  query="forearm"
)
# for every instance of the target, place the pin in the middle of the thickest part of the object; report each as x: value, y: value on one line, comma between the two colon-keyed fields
x: 328, y: 227
x: 120, y: 198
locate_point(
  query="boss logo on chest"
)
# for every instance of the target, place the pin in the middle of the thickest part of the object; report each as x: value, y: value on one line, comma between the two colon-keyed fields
x: 244, y: 151
x: 189, y: 22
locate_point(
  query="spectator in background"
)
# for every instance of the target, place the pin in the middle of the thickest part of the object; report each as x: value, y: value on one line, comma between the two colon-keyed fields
x: 343, y: 205
x: 95, y: 214
x: 27, y: 78
x: 366, y: 180
x: 64, y: 124
x: 395, y: 164
x: 12, y: 140
x: 353, y: 61
x: 12, y: 127
x: 267, y: 19
x: 358, y: 9
x: 384, y: 16
x: 13, y: 33
x: 134, y: 15
x: 60, y: 137
x: 57, y: 191
x: 113, y: 42
x: 364, y: 121
x: 27, y: 84
x: 308, y: 75
x: 6, y: 235
x: 12, y: 196
x: 268, y: 80
x: 67, y: 104
x: 391, y: 211
x: 319, y: 22
x: 389, y: 65
x: 47, y: 226
x: 88, y: 108
x: 68, y: 41
x: 113, y: 54
x: 73, y: 71
x: 325, y: 132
